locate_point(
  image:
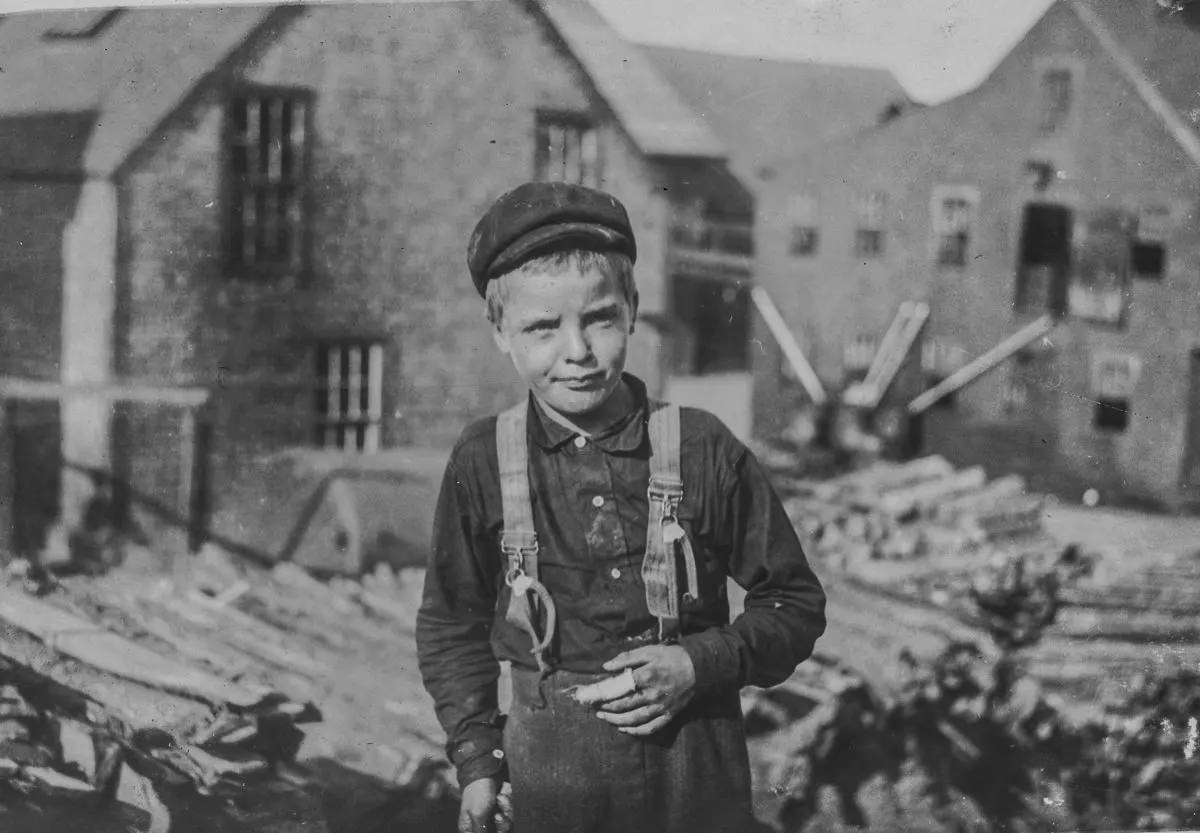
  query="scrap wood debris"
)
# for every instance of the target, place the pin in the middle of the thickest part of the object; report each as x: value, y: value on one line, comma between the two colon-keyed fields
x: 136, y: 685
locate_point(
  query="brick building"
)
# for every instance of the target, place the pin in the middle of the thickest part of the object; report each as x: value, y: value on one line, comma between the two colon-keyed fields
x: 272, y: 204
x: 1065, y: 184
x: 764, y: 110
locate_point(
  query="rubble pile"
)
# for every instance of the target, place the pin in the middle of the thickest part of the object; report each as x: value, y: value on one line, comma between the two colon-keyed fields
x: 219, y: 683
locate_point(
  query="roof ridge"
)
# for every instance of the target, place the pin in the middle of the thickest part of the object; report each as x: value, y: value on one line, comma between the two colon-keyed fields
x: 1167, y: 113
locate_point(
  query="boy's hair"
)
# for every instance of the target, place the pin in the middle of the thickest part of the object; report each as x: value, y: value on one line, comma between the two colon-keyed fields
x: 610, y: 264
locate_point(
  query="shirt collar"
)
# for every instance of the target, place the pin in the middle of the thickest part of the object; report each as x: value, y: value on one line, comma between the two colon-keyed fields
x: 624, y: 435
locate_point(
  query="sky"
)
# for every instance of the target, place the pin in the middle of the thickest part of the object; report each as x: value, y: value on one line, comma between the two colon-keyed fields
x: 936, y: 48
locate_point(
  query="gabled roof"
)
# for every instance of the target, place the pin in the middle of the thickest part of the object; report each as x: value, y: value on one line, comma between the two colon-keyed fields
x: 651, y: 111
x: 767, y: 110
x: 130, y: 75
x: 1158, y: 52
x: 138, y: 67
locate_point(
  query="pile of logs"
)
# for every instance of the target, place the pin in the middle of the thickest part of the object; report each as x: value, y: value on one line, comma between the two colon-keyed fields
x: 206, y: 683
x: 901, y: 511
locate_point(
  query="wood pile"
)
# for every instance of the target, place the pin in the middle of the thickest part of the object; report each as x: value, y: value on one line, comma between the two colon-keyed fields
x: 220, y: 682
x: 904, y: 511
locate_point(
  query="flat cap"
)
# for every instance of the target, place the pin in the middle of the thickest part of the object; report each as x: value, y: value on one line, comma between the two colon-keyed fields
x: 542, y: 217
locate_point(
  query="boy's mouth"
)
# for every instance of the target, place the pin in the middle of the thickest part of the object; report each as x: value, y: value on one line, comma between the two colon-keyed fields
x: 589, y: 380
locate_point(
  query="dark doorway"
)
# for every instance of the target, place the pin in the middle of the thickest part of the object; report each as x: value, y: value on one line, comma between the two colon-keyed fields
x: 713, y: 317
x: 1045, y: 258
x: 34, y: 445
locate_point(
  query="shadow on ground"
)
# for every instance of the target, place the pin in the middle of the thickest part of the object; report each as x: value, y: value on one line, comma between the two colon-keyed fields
x: 357, y: 803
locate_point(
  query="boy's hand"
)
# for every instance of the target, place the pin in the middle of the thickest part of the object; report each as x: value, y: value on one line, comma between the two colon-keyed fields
x: 484, y: 808
x: 666, y: 681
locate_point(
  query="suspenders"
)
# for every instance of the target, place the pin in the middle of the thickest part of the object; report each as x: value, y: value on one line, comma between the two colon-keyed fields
x: 530, y: 606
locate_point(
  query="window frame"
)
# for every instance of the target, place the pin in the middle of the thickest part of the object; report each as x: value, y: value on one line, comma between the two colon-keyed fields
x: 965, y: 228
x: 368, y: 417
x: 1048, y: 127
x: 804, y: 233
x: 576, y: 120
x: 870, y: 224
x: 298, y: 264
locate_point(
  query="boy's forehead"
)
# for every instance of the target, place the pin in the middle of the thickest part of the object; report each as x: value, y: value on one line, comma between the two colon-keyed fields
x: 564, y: 284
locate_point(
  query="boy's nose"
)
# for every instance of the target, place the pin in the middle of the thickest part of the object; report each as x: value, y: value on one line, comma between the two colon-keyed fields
x: 576, y: 346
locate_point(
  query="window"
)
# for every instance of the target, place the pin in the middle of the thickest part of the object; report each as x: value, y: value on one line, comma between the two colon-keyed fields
x: 857, y: 355
x: 568, y: 149
x: 1099, y: 289
x: 1014, y: 388
x: 1148, y: 259
x: 1114, y: 377
x: 803, y: 241
x: 1056, y: 91
x: 81, y: 24
x: 802, y: 215
x: 1111, y: 414
x: 954, y: 211
x: 1148, y: 248
x: 267, y: 135
x: 1045, y: 258
x: 868, y: 234
x: 349, y: 395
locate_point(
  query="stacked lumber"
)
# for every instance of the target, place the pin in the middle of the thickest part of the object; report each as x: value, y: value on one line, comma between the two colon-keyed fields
x: 924, y: 508
x: 222, y: 680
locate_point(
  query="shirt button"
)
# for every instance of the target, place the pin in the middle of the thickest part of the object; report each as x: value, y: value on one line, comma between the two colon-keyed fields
x: 598, y: 501
x: 615, y: 573
x: 580, y: 442
x: 497, y: 753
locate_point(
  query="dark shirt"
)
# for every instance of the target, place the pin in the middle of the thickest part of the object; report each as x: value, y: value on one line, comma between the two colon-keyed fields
x: 590, y: 510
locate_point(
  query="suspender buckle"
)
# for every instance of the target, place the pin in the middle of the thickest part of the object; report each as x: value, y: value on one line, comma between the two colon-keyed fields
x: 517, y: 546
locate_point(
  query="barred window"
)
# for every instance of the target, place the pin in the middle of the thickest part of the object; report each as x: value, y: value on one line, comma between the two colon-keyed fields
x: 267, y: 139
x: 568, y: 149
x: 349, y: 395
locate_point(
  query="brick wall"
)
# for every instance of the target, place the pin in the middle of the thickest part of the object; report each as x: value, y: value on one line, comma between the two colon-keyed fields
x: 423, y: 114
x: 1117, y: 153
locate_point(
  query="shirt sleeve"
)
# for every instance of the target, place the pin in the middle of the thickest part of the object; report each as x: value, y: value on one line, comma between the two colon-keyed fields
x: 457, y: 664
x: 785, y: 605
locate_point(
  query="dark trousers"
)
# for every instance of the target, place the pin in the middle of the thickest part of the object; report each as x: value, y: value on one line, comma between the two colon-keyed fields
x: 572, y: 772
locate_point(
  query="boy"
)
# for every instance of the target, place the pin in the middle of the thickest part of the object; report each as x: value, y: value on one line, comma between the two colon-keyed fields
x: 565, y: 531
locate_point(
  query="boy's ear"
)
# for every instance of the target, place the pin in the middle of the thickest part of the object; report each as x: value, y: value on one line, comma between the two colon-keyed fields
x: 500, y: 338
x: 633, y: 310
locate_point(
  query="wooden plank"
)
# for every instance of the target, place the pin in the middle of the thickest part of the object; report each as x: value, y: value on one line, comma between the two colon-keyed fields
x: 788, y: 344
x: 36, y: 389
x: 983, y: 363
x: 202, y: 628
x: 132, y: 705
x: 90, y: 643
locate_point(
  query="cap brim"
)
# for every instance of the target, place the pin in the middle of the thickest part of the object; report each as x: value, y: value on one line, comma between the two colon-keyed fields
x: 557, y: 237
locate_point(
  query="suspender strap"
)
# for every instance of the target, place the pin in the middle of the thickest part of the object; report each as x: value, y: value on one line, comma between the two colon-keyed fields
x: 518, y: 540
x: 665, y: 535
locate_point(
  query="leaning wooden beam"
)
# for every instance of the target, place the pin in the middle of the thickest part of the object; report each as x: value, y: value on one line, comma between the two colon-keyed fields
x: 90, y: 643
x: 787, y: 343
x: 15, y: 388
x: 982, y: 364
x: 132, y: 705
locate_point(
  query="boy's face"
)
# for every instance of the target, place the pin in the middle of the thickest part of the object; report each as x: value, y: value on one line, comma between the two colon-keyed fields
x: 566, y: 334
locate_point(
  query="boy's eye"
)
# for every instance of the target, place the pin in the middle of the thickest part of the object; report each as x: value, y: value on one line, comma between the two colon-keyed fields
x: 608, y: 316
